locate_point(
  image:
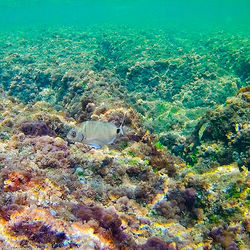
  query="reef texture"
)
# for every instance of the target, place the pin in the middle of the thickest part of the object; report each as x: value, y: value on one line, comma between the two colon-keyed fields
x: 221, y: 136
x: 171, y: 77
x: 177, y: 179
x: 130, y: 195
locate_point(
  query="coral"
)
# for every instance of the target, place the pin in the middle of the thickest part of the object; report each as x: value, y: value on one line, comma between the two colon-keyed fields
x: 48, y: 152
x: 37, y: 228
x: 107, y: 219
x: 229, y: 184
x: 161, y: 159
x: 219, y: 235
x: 6, y: 211
x: 14, y: 181
x: 177, y: 203
x: 38, y: 233
x: 35, y: 128
x: 155, y: 243
x: 228, y: 127
x: 116, y: 197
x: 186, y: 187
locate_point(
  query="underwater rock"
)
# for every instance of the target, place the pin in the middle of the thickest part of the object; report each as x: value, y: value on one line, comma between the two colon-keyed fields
x: 227, y: 126
x: 156, y: 243
x: 131, y: 195
x: 36, y: 128
x: 37, y: 228
x: 157, y: 66
x: 224, y: 237
x: 107, y: 219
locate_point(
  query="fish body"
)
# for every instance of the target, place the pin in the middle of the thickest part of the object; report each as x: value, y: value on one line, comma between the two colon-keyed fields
x: 95, y: 133
x: 202, y: 130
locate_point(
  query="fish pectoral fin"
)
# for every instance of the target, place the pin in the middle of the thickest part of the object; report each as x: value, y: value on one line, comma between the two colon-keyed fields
x: 95, y: 145
x: 112, y: 141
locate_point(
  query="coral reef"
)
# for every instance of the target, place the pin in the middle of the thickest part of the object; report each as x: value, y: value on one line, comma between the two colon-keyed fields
x: 37, y: 228
x: 222, y: 135
x: 181, y: 75
x: 177, y: 179
x: 130, y: 195
x: 35, y: 128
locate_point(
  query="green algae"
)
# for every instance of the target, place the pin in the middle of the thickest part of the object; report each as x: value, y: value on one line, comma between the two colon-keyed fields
x: 248, y: 199
x: 4, y: 136
x: 133, y: 162
x: 214, y: 218
x: 155, y: 170
x: 172, y: 111
x: 189, y: 165
x: 81, y: 174
x: 178, y: 98
x: 235, y: 191
x: 117, y: 180
x: 160, y: 108
x: 123, y: 145
x: 192, y: 158
x: 159, y: 145
x: 225, y: 215
x: 131, y: 153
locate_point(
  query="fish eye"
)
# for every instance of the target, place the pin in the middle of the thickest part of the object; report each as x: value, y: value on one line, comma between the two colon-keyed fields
x: 73, y: 133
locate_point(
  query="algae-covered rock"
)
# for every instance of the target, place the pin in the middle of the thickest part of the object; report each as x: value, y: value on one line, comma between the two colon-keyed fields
x: 226, y: 131
x: 176, y: 179
x: 177, y: 75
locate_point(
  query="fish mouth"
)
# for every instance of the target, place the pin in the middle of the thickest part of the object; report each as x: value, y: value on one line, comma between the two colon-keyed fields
x: 70, y: 141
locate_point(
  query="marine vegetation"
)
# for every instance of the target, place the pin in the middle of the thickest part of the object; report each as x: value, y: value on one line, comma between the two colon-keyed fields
x: 116, y: 137
x: 55, y: 194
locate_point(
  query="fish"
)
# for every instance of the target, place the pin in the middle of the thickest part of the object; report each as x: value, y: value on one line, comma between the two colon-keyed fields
x: 202, y: 130
x: 96, y: 133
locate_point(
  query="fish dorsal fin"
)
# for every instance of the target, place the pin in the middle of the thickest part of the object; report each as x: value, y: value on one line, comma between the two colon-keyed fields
x: 123, y: 119
x: 120, y: 129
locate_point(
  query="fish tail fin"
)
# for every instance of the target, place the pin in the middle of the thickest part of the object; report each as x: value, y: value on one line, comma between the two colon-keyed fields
x: 121, y: 131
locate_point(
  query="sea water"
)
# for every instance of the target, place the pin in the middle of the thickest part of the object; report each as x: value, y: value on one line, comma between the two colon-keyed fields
x: 177, y: 70
x: 227, y: 15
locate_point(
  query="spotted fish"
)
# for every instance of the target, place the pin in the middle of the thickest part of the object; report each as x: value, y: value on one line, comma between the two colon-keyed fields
x: 95, y: 133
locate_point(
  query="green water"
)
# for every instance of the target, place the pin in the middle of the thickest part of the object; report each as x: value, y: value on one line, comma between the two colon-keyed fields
x: 175, y: 68
x: 227, y: 14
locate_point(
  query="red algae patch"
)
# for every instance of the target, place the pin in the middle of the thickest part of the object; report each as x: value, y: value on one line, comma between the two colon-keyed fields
x: 37, y: 228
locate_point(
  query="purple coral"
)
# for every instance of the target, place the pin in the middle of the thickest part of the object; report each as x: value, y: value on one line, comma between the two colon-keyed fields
x: 224, y: 237
x: 50, y: 152
x: 190, y: 196
x: 8, y: 210
x: 107, y: 219
x: 38, y: 232
x: 177, y: 202
x: 36, y: 128
x: 185, y: 198
x: 155, y: 243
